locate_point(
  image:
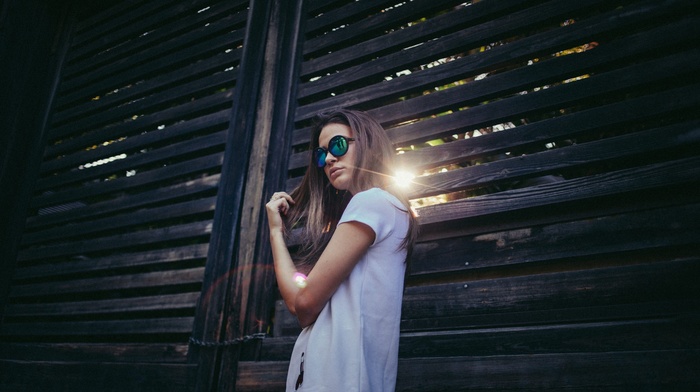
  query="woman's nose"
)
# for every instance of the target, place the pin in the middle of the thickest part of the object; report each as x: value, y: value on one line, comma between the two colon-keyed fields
x: 330, y: 158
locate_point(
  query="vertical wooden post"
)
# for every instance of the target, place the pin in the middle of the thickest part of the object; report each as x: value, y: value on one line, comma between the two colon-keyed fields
x: 222, y: 269
x: 252, y: 298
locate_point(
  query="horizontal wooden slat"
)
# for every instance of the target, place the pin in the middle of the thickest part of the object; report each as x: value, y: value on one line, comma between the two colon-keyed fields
x: 194, y: 231
x: 633, y: 335
x: 118, y: 17
x: 559, y: 160
x: 488, y: 301
x: 617, y: 371
x: 541, y: 73
x: 614, y: 371
x: 106, y: 284
x: 205, y: 75
x: 621, y: 182
x: 406, y: 37
x: 676, y: 331
x: 365, y: 20
x: 96, y: 352
x: 431, y: 48
x: 170, y: 325
x: 159, y: 39
x: 137, y: 218
x: 606, y: 235
x: 160, y: 258
x: 168, y: 154
x: 586, y: 122
x: 148, y: 104
x: 189, y: 188
x: 169, y: 172
x: 145, y: 123
x: 517, y: 52
x: 89, y: 21
x: 85, y: 375
x: 356, y: 12
x: 203, y: 124
x: 123, y: 305
x: 158, y: 66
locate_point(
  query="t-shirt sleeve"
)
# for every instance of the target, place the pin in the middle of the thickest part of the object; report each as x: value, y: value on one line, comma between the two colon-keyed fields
x: 373, y: 208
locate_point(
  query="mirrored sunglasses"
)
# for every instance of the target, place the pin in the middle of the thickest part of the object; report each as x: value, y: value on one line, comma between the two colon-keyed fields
x: 338, y: 146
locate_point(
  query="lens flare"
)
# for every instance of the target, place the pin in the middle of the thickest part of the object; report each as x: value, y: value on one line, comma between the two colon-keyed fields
x: 403, y: 179
x: 300, y: 280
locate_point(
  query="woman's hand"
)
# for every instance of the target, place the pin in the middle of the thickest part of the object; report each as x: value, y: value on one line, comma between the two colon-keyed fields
x: 279, y: 205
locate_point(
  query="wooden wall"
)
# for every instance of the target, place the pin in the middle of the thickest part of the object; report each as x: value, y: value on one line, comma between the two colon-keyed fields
x: 113, y: 255
x: 554, y: 145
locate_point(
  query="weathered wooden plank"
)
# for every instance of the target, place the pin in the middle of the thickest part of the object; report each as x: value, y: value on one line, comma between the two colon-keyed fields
x: 146, y: 123
x: 520, y: 79
x: 157, y: 258
x: 138, y: 161
x: 85, y: 375
x: 262, y: 376
x: 204, y: 165
x: 96, y: 352
x: 661, y: 370
x: 150, y: 280
x: 88, y: 22
x: 165, y: 325
x: 404, y: 38
x: 422, y: 43
x: 633, y: 335
x: 191, y: 188
x: 203, y: 76
x: 581, y: 123
x: 510, y: 107
x: 625, y: 181
x: 542, y: 73
x: 638, y: 231
x: 116, y: 17
x: 631, y: 286
x: 318, y: 7
x: 365, y: 21
x: 542, y: 44
x: 561, y: 160
x: 200, y: 125
x: 327, y: 23
x: 618, y: 371
x: 554, y: 98
x: 158, y: 303
x: 142, y: 217
x: 160, y: 40
x: 123, y: 81
x: 673, y: 332
x: 150, y: 104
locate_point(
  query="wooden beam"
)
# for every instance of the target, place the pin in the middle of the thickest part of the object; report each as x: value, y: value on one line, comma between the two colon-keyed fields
x: 222, y: 271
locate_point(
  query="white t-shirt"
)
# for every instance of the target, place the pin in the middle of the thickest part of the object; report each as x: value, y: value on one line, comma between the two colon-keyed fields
x: 354, y: 343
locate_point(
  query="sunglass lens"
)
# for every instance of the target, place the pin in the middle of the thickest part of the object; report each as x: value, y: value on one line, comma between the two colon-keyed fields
x: 320, y: 155
x: 338, y: 146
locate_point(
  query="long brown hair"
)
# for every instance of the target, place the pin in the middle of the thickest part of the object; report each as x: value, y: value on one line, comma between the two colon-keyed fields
x: 319, y: 206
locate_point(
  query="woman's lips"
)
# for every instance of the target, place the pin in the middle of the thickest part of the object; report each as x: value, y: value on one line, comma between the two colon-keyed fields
x: 335, y: 172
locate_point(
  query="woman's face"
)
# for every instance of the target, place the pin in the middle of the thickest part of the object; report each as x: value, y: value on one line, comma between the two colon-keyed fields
x: 339, y: 170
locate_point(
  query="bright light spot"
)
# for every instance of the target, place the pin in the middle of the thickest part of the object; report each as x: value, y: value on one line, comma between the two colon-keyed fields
x: 403, y: 179
x: 300, y: 280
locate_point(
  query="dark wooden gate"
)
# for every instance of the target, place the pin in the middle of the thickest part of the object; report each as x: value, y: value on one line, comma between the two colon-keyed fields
x: 554, y: 149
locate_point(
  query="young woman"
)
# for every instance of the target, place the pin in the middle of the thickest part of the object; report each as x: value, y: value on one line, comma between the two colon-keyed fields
x: 356, y: 234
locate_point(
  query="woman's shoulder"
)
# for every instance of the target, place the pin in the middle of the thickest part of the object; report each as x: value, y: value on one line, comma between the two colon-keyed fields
x: 378, y: 195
